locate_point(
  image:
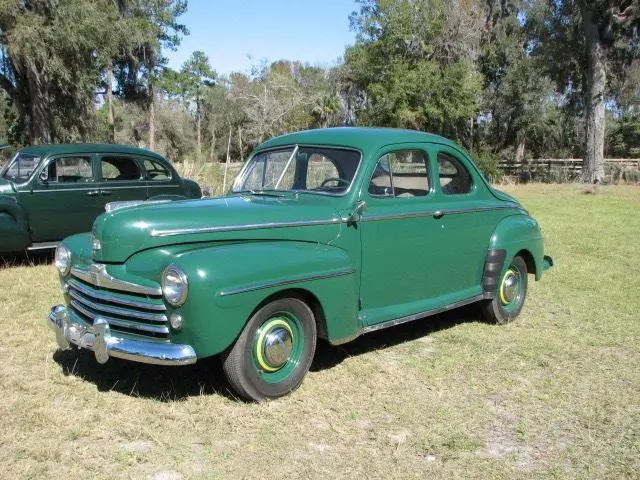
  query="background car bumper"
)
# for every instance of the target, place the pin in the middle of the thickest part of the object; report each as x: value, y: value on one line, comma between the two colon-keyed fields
x: 98, y: 338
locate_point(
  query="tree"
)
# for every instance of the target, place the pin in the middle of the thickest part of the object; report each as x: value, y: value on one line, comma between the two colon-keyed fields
x: 152, y: 25
x: 521, y: 115
x: 587, y: 46
x: 53, y: 56
x: 413, y: 64
x: 198, y: 76
x: 604, y: 25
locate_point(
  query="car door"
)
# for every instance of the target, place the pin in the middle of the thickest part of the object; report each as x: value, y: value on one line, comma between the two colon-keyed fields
x: 467, y: 215
x: 121, y: 178
x: 63, y: 199
x: 400, y: 267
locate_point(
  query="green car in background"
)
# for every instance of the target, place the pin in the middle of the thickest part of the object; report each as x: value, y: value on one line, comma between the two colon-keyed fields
x: 328, y: 233
x: 49, y: 192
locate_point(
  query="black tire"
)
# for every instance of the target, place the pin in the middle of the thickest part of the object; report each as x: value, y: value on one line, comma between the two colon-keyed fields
x: 246, y: 362
x: 501, y: 311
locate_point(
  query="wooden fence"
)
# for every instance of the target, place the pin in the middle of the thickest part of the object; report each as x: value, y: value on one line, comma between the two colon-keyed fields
x: 573, y: 165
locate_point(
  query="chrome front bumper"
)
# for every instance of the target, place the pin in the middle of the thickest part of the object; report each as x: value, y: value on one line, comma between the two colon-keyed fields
x: 98, y: 338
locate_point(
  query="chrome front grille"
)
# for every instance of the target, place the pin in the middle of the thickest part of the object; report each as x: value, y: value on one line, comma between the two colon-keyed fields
x: 126, y: 309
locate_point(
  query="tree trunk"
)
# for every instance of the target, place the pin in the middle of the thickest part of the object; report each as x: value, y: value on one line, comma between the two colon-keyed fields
x: 110, y: 119
x: 226, y: 164
x: 198, y: 131
x: 520, y: 148
x: 593, y: 165
x: 240, y: 143
x: 40, y: 130
x: 212, y: 154
x: 152, y: 119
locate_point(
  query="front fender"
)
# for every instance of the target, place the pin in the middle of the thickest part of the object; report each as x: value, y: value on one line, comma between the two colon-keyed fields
x: 227, y: 282
x: 516, y: 233
x: 191, y: 188
x: 14, y: 226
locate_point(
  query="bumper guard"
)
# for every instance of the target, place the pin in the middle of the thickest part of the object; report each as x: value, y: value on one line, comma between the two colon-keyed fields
x: 98, y: 338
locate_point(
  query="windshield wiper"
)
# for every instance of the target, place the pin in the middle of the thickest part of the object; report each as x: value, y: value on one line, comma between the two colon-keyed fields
x: 262, y: 193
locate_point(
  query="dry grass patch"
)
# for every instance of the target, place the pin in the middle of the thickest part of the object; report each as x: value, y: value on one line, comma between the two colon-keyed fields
x: 553, y: 394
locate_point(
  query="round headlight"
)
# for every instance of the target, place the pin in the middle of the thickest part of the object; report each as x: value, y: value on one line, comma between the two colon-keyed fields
x: 174, y: 285
x: 63, y: 259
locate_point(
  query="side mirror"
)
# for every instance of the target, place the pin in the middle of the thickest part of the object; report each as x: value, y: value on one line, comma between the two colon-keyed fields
x: 44, y: 175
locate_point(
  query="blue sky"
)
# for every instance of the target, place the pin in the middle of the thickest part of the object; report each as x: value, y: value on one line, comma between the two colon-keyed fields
x: 313, y: 31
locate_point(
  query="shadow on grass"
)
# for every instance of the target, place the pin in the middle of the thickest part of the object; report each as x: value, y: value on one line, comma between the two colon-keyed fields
x: 206, y: 377
x: 27, y: 259
x: 328, y: 356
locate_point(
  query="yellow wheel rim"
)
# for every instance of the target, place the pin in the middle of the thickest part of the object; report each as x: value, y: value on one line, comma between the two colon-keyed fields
x: 264, y: 331
x: 508, y: 278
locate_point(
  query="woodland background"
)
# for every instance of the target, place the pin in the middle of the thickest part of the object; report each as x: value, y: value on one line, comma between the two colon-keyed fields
x: 509, y: 80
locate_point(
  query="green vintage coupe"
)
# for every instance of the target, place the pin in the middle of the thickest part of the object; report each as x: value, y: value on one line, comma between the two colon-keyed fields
x: 327, y: 234
x: 49, y: 192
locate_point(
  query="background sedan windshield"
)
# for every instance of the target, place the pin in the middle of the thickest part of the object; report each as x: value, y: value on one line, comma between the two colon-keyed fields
x: 21, y: 168
x: 315, y: 169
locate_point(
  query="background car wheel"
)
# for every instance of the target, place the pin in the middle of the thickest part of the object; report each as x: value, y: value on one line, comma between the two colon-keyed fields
x: 511, y: 294
x: 274, y: 351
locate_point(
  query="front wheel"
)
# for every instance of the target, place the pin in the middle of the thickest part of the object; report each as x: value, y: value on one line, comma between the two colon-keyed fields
x: 274, y: 351
x: 511, y: 294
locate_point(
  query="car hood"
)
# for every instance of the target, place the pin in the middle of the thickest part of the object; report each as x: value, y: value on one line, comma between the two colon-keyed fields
x: 123, y: 232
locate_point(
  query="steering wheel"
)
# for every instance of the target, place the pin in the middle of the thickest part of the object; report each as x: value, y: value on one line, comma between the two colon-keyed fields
x: 335, y: 179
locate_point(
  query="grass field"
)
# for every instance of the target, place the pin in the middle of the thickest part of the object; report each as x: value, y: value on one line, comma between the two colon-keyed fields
x: 555, y: 394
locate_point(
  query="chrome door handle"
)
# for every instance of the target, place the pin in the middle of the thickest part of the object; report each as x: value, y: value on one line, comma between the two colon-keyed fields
x: 438, y: 214
x: 93, y: 193
x: 106, y: 193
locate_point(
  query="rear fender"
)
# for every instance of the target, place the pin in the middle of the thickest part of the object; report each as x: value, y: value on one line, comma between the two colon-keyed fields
x: 227, y: 283
x: 14, y: 226
x: 518, y: 233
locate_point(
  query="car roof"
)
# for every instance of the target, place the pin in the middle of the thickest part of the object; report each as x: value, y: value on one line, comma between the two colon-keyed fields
x: 74, y: 148
x: 366, y: 139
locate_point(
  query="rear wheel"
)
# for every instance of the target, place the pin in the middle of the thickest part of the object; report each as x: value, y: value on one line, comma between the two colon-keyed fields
x: 274, y: 351
x: 511, y: 294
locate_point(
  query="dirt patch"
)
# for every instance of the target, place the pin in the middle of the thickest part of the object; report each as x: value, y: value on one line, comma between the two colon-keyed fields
x: 502, y: 439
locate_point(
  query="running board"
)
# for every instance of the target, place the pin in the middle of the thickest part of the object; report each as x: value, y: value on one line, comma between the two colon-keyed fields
x: 418, y: 316
x: 42, y: 246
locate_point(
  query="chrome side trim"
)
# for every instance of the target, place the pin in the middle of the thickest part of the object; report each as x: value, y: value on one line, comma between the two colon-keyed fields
x: 261, y: 286
x: 251, y: 226
x: 99, y: 339
x: 113, y: 206
x: 305, y: 223
x: 98, y: 276
x: 43, y: 246
x: 430, y: 213
x: 164, y: 330
x: 151, y: 317
x: 110, y: 298
x: 417, y: 316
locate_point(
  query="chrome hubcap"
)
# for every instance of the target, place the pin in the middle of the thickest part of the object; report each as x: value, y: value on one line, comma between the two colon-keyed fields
x: 509, y: 289
x: 277, y: 347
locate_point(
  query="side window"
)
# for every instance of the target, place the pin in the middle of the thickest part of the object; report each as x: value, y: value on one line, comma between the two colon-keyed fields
x: 401, y: 174
x: 454, y: 177
x: 156, y: 171
x: 119, y: 169
x: 70, y: 170
x: 380, y: 184
x: 319, y: 170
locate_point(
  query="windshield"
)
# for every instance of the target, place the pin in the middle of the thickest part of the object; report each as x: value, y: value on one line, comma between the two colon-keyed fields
x: 20, y: 168
x: 296, y: 168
